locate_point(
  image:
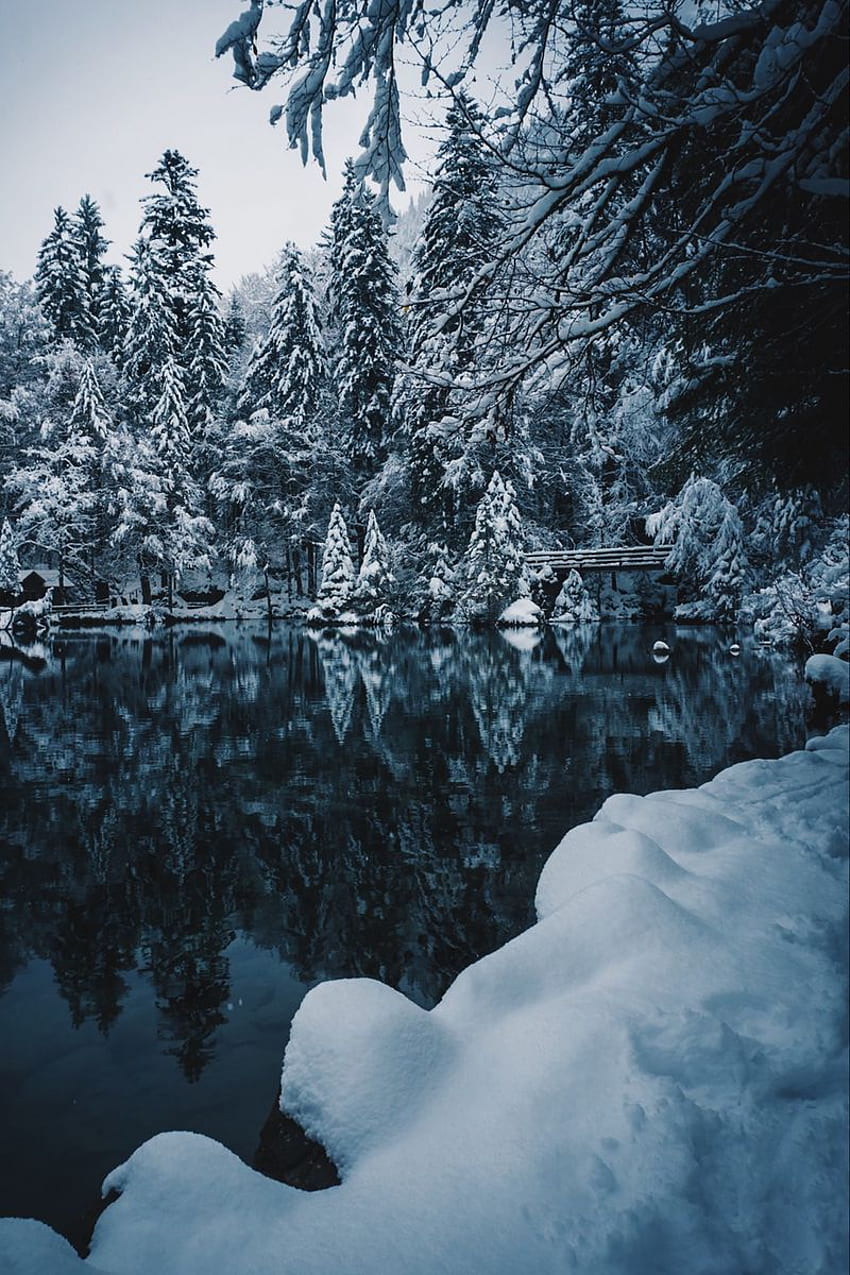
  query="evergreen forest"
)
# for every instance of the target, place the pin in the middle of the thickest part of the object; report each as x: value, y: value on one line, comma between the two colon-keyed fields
x: 618, y: 315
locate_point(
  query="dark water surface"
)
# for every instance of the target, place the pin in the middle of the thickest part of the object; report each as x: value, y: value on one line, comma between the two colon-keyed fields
x: 196, y: 827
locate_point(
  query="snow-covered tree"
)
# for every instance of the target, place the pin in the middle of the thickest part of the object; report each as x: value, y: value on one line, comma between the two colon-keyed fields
x: 61, y: 283
x: 338, y: 574
x: 365, y: 307
x: 574, y: 604
x: 10, y: 567
x: 713, y: 186
x: 707, y: 552
x: 114, y: 316
x: 463, y: 226
x: 438, y: 585
x: 151, y: 335
x: 493, y: 568
x: 88, y: 226
x: 286, y: 373
x: 374, y: 579
x: 90, y: 414
x: 175, y: 304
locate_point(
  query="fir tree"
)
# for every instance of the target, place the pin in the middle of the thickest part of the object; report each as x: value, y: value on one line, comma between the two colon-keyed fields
x: 494, y: 568
x: 338, y: 576
x: 61, y: 283
x: 365, y: 307
x: 169, y: 421
x: 151, y: 335
x: 707, y: 551
x: 207, y: 358
x: 10, y: 567
x: 287, y: 370
x: 374, y: 578
x: 175, y: 301
x: 114, y: 315
x: 90, y: 415
x: 91, y: 246
x: 235, y: 327
x: 574, y: 605
x: 462, y: 228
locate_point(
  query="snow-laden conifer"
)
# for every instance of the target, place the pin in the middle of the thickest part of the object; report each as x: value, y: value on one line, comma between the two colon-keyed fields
x: 287, y: 369
x: 90, y: 414
x: 10, y: 567
x: 493, y: 568
x: 463, y: 226
x: 114, y: 315
x: 707, y: 552
x: 374, y: 579
x: 88, y: 226
x: 574, y: 603
x: 169, y: 421
x: 365, y: 308
x: 61, y: 284
x: 338, y: 574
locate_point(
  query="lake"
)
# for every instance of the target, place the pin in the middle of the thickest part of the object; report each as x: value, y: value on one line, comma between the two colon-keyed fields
x: 198, y: 825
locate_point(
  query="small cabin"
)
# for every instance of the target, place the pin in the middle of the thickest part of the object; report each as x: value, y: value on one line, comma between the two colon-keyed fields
x: 37, y: 583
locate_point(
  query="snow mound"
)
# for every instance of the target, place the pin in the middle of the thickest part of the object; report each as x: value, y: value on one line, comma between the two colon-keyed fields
x: 832, y: 674
x: 650, y: 1080
x: 521, y: 614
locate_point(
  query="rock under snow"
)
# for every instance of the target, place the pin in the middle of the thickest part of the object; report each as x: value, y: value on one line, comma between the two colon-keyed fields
x: 830, y: 673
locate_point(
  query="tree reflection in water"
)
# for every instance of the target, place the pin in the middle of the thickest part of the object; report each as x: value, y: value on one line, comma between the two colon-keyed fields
x: 357, y: 805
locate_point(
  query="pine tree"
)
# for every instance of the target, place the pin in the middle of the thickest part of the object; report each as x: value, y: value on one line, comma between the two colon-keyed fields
x: 10, y: 567
x: 176, y: 304
x: 207, y: 358
x: 90, y: 415
x: 114, y: 315
x: 338, y: 576
x: 169, y: 421
x: 494, y: 568
x: 91, y: 245
x: 463, y: 226
x: 61, y: 283
x: 235, y: 327
x: 707, y: 551
x: 374, y: 578
x: 287, y: 370
x: 151, y: 337
x: 574, y: 605
x: 365, y: 307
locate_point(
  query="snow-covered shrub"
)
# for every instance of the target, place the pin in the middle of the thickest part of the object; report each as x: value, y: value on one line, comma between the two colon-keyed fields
x: 521, y: 614
x: 493, y: 569
x: 809, y: 608
x: 574, y: 605
x: 338, y: 576
x: 707, y: 552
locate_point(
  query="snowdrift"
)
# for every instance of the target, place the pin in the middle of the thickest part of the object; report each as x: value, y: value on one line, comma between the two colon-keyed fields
x: 651, y: 1079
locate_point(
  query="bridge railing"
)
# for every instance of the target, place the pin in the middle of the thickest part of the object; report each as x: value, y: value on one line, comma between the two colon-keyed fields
x: 622, y: 558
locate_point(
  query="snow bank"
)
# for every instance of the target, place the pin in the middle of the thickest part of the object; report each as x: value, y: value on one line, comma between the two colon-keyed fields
x: 650, y: 1080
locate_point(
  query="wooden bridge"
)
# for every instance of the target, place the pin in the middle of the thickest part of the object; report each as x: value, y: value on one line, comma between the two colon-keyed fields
x: 623, y: 558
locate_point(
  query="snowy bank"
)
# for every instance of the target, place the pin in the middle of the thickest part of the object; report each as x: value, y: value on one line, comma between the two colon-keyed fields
x: 650, y: 1080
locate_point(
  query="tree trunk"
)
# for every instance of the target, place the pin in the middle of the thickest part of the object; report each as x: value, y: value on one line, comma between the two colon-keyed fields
x: 145, y: 582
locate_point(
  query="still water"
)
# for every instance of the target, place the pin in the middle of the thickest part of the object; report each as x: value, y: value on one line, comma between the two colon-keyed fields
x: 196, y: 827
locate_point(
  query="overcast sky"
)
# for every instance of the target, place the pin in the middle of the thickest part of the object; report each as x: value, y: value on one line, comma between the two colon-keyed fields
x: 93, y: 91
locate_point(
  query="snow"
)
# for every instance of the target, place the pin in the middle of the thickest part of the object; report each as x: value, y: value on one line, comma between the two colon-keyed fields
x: 651, y: 1079
x: 832, y: 674
x: 521, y: 614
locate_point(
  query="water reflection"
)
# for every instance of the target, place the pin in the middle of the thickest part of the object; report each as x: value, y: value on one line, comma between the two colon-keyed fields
x: 351, y: 805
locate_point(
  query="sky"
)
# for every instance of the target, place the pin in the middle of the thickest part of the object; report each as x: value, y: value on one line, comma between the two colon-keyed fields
x: 93, y: 91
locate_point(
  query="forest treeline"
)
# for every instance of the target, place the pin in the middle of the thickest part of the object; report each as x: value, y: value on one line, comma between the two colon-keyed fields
x: 623, y: 299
